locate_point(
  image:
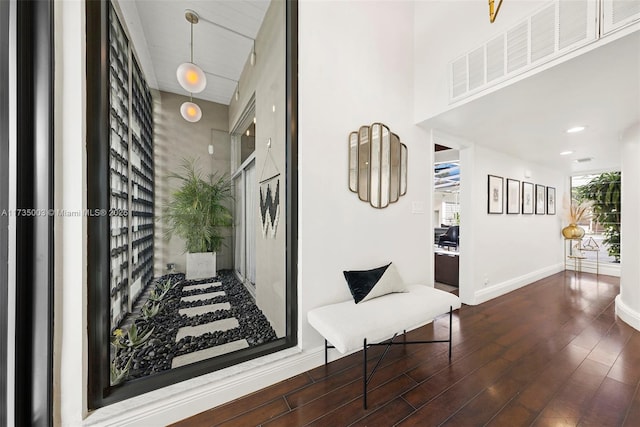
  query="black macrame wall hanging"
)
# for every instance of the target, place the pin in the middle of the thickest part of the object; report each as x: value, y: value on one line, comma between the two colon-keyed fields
x: 269, y: 197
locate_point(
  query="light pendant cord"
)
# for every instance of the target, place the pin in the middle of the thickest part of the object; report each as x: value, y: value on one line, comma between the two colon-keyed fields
x: 192, y: 42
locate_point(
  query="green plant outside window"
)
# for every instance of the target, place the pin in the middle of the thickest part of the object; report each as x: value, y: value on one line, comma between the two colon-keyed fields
x: 604, y: 191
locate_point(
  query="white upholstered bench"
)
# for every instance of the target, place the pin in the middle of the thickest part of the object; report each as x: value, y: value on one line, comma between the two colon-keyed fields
x: 346, y: 326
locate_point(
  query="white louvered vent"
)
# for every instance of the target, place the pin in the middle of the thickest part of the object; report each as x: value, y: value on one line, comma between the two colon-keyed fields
x: 495, y: 58
x: 543, y: 33
x: 618, y: 13
x: 558, y: 28
x: 584, y: 160
x: 624, y: 9
x: 459, y: 77
x: 572, y: 22
x: 476, y: 68
x: 517, y: 47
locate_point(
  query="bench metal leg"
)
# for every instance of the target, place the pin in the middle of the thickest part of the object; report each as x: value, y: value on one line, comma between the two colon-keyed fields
x: 450, y: 324
x: 326, y: 351
x: 364, y: 373
x: 366, y: 378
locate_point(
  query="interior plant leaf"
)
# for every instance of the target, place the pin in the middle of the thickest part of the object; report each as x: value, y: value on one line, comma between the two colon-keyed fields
x: 198, y: 210
x: 579, y: 210
x: 150, y: 309
x: 156, y: 295
x: 118, y: 339
x: 165, y: 285
x: 604, y: 193
x: 137, y: 338
x: 118, y: 375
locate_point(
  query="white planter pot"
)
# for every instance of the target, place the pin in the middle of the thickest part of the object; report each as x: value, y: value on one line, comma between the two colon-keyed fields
x: 201, y: 265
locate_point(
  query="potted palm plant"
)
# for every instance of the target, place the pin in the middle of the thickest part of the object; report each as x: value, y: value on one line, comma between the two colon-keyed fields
x: 198, y: 212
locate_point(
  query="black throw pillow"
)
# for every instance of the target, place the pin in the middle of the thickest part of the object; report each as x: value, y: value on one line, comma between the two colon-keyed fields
x: 367, y: 284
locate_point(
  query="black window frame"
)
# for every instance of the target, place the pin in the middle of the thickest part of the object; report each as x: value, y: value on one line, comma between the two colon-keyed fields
x: 31, y: 25
x: 100, y: 392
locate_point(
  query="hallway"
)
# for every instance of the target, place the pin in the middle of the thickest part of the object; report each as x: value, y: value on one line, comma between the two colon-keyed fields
x: 551, y: 353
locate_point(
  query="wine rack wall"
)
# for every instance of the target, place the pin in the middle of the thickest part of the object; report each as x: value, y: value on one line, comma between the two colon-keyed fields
x: 131, y: 175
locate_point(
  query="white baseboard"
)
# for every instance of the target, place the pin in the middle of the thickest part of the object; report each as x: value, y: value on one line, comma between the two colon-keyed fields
x: 179, y: 401
x: 606, y: 268
x: 507, y: 286
x: 627, y: 314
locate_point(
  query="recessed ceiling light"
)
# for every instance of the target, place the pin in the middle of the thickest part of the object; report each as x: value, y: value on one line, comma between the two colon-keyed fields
x: 576, y: 129
x: 566, y: 153
x: 583, y: 160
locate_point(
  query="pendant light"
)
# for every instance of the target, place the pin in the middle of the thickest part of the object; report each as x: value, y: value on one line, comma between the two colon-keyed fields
x: 190, y: 76
x: 190, y: 111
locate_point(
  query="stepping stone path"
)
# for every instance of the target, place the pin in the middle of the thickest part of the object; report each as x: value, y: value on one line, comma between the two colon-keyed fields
x: 197, y: 320
x: 202, y: 297
x: 203, y: 309
x: 210, y: 291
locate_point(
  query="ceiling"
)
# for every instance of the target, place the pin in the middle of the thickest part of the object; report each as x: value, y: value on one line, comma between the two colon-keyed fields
x: 528, y: 119
x: 446, y: 176
x: 222, y: 54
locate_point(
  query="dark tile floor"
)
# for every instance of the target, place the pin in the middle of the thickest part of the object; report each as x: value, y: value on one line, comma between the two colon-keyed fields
x: 550, y: 354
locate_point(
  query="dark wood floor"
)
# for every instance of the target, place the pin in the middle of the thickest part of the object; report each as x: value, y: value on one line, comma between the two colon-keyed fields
x: 550, y: 354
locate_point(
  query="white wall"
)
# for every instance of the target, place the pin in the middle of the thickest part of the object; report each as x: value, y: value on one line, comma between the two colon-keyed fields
x: 352, y: 73
x: 267, y: 81
x: 628, y: 302
x: 446, y: 156
x: 176, y: 140
x: 444, y: 31
x: 70, y: 326
x: 11, y: 232
x: 500, y: 253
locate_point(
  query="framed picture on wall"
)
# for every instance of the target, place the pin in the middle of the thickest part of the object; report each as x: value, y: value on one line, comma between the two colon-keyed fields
x: 541, y: 199
x: 551, y: 201
x: 495, y: 194
x: 527, y: 198
x: 513, y: 196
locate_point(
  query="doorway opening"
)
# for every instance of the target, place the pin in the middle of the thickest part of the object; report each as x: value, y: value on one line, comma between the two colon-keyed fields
x: 446, y: 218
x: 243, y: 159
